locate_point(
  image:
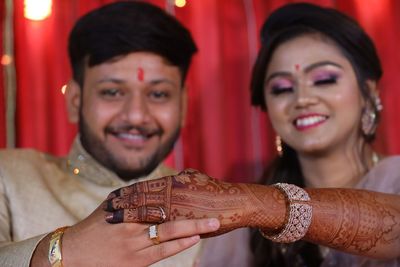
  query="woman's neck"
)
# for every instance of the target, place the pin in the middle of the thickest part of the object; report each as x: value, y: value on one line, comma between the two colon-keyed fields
x: 340, y: 168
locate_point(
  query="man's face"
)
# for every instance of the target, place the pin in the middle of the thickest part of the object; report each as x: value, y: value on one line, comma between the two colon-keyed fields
x: 130, y: 112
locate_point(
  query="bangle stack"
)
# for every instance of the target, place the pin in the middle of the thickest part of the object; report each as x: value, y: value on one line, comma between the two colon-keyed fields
x: 299, y: 214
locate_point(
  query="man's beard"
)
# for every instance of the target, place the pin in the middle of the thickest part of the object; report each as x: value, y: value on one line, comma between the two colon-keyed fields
x: 96, y: 148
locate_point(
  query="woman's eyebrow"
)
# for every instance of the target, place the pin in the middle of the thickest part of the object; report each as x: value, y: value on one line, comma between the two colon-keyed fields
x: 321, y: 63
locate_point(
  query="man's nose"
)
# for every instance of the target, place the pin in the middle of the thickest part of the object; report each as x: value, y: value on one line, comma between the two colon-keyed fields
x: 136, y: 109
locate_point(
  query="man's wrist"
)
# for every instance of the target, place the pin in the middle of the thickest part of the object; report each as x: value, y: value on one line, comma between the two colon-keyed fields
x: 55, y: 247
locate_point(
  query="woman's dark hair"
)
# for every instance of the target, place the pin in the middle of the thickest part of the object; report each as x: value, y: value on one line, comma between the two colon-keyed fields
x: 121, y: 28
x: 284, y: 24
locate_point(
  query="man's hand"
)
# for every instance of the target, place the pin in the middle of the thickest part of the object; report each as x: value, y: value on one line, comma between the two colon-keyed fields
x: 94, y: 242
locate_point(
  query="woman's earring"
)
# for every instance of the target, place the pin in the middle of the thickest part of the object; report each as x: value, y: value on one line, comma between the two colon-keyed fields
x: 278, y: 144
x: 378, y: 103
x: 368, y: 122
x: 369, y: 117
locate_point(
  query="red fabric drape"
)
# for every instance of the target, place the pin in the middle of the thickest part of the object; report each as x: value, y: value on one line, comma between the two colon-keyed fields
x: 223, y: 135
x: 381, y: 19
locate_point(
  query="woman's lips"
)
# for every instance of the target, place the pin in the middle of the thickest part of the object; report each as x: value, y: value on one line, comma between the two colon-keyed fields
x: 309, y: 121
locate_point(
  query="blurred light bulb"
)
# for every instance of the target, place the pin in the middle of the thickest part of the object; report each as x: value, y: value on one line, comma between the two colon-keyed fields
x: 63, y: 89
x: 37, y: 9
x: 6, y: 60
x: 180, y: 3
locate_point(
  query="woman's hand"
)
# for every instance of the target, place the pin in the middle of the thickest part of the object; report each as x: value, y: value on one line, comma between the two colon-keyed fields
x: 193, y: 195
x: 354, y: 221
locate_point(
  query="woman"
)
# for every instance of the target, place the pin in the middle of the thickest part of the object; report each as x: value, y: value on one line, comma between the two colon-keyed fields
x: 316, y: 75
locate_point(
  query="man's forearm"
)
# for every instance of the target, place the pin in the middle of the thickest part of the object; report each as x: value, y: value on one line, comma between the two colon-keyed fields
x: 40, y: 255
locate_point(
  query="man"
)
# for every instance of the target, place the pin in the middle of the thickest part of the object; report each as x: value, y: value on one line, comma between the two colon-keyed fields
x: 127, y: 94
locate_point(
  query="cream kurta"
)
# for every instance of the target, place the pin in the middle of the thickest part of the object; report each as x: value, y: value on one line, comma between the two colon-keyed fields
x: 39, y: 193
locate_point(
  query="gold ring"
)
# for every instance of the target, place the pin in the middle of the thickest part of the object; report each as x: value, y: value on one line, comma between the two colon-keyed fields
x: 153, y: 234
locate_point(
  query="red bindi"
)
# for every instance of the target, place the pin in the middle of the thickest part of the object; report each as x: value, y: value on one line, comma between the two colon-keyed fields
x: 140, y: 74
x: 297, y: 67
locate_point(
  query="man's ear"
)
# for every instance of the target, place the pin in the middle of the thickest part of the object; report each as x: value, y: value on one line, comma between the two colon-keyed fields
x: 73, y: 100
x: 184, y: 105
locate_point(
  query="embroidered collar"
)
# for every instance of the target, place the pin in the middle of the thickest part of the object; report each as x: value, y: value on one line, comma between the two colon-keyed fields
x: 82, y: 164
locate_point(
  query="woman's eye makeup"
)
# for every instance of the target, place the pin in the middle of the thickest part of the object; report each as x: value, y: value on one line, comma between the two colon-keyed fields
x: 319, y: 77
x: 280, y: 86
x: 324, y: 78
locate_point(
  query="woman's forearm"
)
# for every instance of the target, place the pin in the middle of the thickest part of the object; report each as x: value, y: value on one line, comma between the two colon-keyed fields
x: 356, y: 221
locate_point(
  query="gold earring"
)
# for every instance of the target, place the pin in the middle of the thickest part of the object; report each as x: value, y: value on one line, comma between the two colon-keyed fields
x: 278, y: 145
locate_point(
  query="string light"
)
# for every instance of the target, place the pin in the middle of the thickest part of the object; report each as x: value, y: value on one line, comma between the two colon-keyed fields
x: 6, y: 60
x: 180, y: 3
x: 37, y: 9
x: 63, y: 89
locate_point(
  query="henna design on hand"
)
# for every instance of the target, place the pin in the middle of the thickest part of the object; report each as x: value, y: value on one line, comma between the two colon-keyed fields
x: 351, y: 220
x: 193, y: 195
x: 139, y: 214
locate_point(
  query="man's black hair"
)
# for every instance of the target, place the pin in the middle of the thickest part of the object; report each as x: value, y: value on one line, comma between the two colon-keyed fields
x: 121, y: 28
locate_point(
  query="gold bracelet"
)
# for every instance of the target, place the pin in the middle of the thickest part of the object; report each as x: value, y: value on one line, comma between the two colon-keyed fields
x: 299, y: 214
x: 55, y: 255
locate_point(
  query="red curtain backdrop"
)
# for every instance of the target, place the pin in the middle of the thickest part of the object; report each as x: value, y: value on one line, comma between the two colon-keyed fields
x: 224, y: 136
x: 2, y: 79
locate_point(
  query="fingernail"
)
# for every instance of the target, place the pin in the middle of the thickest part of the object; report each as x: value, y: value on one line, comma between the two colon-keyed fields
x: 213, y: 223
x: 109, y: 217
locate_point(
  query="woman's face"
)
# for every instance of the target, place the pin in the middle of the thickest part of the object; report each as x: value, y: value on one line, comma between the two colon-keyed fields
x: 312, y: 95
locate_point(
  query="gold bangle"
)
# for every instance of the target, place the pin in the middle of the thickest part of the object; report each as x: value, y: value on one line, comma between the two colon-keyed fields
x: 55, y: 255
